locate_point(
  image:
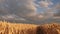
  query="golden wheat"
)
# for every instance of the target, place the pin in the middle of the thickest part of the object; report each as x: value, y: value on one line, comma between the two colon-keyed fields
x: 50, y: 29
x: 14, y: 28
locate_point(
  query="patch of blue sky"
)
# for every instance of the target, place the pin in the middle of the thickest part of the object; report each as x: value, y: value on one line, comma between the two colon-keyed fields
x: 50, y: 6
x: 56, y: 1
x: 40, y: 10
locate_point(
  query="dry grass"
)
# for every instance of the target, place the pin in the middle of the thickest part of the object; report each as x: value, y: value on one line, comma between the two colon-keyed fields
x: 14, y: 28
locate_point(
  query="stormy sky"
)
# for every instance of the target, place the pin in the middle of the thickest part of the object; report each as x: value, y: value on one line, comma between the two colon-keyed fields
x: 29, y: 11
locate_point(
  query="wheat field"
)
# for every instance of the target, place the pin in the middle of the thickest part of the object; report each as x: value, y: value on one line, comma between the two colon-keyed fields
x: 14, y: 28
x: 19, y: 28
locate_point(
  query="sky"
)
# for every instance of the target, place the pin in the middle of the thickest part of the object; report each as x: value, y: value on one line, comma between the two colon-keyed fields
x: 30, y: 11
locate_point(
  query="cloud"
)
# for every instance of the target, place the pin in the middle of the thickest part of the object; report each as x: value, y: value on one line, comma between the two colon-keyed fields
x: 26, y: 10
x: 57, y: 10
x: 53, y: 12
x: 57, y: 6
x: 23, y: 7
x: 45, y: 3
x: 2, y: 1
x: 44, y: 6
x: 9, y: 16
x: 19, y: 7
x: 12, y: 8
